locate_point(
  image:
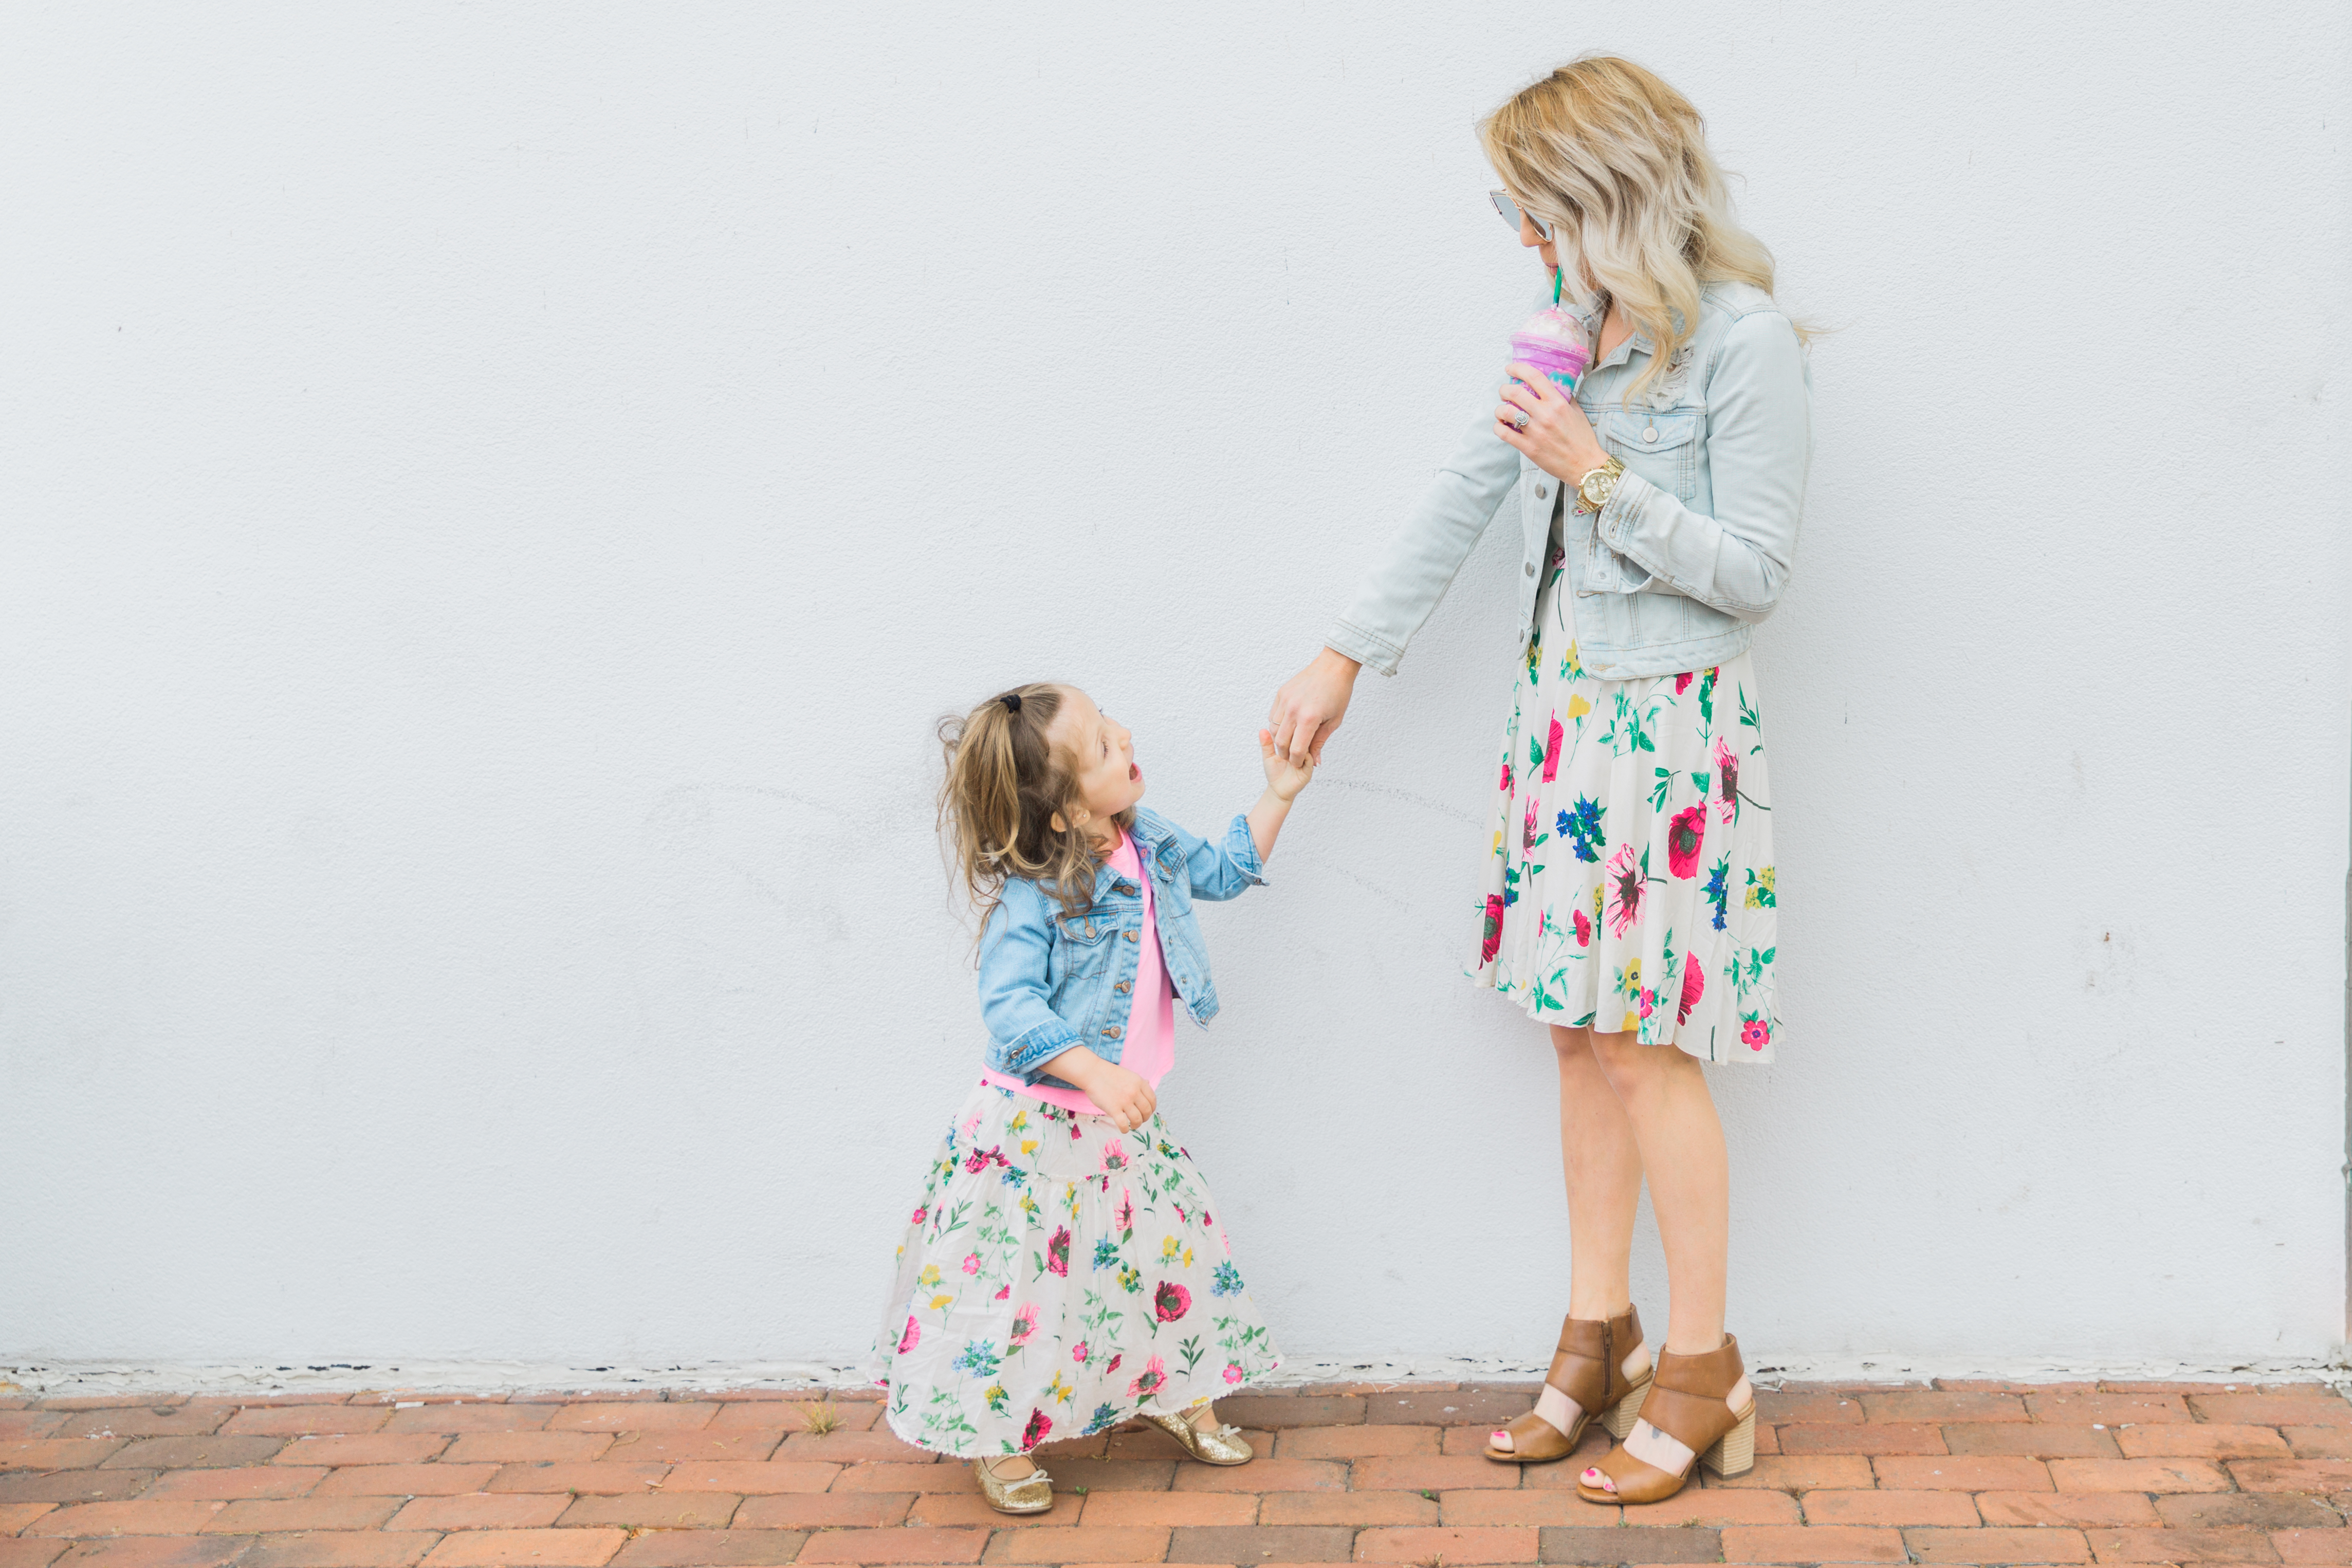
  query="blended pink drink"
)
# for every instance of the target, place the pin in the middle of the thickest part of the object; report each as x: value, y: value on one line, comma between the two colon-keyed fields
x: 1553, y: 342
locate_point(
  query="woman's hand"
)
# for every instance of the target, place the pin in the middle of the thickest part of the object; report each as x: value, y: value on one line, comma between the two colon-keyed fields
x: 1284, y: 778
x: 1558, y: 439
x: 1311, y: 705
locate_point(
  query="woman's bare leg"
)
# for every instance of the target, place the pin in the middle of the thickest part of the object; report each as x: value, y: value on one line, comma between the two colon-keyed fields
x: 1665, y: 1098
x: 1602, y: 1167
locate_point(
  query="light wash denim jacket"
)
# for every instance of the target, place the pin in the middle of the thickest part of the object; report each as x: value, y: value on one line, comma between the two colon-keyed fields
x: 1691, y: 552
x: 1049, y: 981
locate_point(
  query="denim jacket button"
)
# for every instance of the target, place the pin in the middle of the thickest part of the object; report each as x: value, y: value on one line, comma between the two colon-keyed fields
x: 1124, y: 986
x: 1542, y: 494
x: 1133, y: 937
x: 1651, y: 434
x: 1531, y: 569
x: 1112, y: 1031
x: 1126, y: 888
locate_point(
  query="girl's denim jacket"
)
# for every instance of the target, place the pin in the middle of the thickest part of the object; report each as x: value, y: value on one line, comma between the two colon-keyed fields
x: 1049, y: 981
x: 1691, y: 552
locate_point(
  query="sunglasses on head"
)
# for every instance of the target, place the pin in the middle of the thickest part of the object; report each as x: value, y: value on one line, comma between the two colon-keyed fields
x: 1511, y: 214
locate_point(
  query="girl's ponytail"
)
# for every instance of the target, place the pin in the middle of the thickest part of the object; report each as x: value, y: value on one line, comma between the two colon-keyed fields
x: 1004, y: 783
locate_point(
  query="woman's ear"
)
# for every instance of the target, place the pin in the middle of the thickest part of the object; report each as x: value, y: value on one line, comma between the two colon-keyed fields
x: 1060, y: 826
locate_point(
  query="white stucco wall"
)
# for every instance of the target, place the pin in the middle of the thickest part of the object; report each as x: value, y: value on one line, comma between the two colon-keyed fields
x: 497, y: 495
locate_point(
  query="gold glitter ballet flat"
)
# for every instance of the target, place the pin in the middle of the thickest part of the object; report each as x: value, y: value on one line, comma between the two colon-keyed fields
x: 1032, y: 1493
x: 1221, y: 1445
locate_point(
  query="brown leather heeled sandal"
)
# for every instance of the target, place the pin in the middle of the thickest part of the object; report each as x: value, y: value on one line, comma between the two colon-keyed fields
x: 1688, y: 1403
x: 1589, y: 1368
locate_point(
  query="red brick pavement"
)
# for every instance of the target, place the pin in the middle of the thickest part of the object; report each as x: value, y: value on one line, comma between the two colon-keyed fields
x: 1965, y: 1474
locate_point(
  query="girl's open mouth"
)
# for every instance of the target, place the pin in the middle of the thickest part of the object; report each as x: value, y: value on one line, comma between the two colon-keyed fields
x: 1133, y: 771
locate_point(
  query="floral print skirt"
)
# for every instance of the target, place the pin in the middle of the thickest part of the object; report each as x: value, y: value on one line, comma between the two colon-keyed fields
x: 1057, y: 1277
x: 1630, y: 887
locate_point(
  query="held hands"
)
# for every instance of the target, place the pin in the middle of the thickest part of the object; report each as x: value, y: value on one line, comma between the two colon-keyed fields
x: 1284, y: 778
x: 1311, y: 705
x: 1558, y: 439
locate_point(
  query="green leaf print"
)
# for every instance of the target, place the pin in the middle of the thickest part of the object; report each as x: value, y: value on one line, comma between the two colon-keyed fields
x: 1659, y: 789
x: 1191, y: 1352
x: 1760, y: 894
x: 1535, y: 752
x: 1748, y: 717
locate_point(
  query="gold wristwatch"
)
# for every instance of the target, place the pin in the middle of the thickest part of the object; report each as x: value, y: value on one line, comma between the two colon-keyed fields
x: 1597, y: 485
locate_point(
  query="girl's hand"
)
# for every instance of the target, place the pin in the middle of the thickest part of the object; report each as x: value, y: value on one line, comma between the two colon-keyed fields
x: 1284, y: 778
x: 1558, y: 439
x: 1311, y: 704
x: 1125, y: 1097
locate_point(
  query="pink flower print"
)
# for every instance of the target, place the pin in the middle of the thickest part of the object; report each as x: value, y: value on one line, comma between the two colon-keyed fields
x: 972, y: 1262
x: 911, y: 1338
x: 1079, y: 1353
x: 1126, y: 1210
x: 1551, y: 752
x: 1584, y: 927
x: 1528, y: 834
x: 1034, y: 1433
x: 1114, y: 1155
x: 1685, y: 835
x: 1232, y: 1373
x: 1170, y: 1301
x: 1682, y: 682
x: 1003, y: 1291
x: 1649, y: 999
x: 1506, y: 776
x: 1491, y: 941
x: 1113, y: 1365
x: 1726, y: 789
x: 1025, y: 1323
x: 1625, y: 891
x: 1755, y: 1034
x: 972, y: 1127
x: 1153, y: 1378
x: 1694, y: 988
x: 920, y: 1216
x: 1058, y: 1252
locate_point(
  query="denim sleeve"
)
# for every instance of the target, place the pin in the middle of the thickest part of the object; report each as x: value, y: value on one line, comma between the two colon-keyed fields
x: 1220, y: 870
x: 1759, y: 444
x: 1024, y: 1032
x: 1417, y: 565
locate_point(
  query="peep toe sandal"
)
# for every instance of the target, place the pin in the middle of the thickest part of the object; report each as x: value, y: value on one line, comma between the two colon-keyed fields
x: 1589, y: 1367
x: 1688, y: 1401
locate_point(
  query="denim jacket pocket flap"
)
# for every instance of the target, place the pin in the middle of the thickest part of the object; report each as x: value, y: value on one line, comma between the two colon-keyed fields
x: 1084, y: 929
x: 1633, y: 431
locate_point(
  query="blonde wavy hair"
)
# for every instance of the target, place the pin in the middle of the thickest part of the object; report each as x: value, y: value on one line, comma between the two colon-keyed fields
x: 1616, y: 161
x: 1006, y: 781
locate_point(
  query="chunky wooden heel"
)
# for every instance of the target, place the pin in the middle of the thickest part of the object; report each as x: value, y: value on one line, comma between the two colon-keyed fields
x: 1734, y: 1453
x: 1689, y: 1401
x: 1589, y: 1367
x: 1620, y: 1417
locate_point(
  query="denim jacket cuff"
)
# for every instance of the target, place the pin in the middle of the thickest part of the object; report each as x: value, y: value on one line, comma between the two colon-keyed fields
x: 1620, y: 519
x: 1025, y: 1057
x: 1242, y: 850
x: 1374, y: 653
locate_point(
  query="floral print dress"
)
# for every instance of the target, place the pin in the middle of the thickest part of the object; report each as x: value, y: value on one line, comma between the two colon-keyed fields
x: 1056, y: 1278
x: 1630, y: 886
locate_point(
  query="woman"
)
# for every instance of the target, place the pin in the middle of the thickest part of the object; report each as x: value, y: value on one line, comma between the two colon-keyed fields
x: 1629, y: 897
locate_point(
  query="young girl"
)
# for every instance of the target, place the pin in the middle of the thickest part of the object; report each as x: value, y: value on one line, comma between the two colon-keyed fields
x: 1063, y: 1270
